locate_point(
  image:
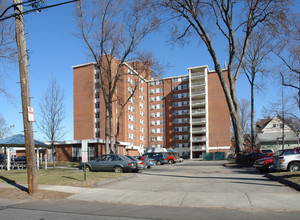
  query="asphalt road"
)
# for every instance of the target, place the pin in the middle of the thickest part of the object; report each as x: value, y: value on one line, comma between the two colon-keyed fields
x: 189, y: 190
x: 78, y: 210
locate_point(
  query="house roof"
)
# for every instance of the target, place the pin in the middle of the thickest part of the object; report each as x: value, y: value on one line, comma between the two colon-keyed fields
x: 274, y: 136
x: 18, y: 140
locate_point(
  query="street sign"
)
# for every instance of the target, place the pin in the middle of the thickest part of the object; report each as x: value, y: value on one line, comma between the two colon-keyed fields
x: 84, y: 155
x: 30, y: 114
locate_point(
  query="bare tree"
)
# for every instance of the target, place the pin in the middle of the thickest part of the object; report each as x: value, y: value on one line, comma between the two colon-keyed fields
x: 254, y: 65
x: 112, y: 31
x: 289, y: 55
x: 52, y: 113
x: 4, y: 128
x: 232, y: 19
x: 245, y: 115
x: 8, y: 52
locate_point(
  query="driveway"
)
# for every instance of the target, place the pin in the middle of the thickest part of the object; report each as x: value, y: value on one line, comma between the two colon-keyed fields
x: 197, y: 184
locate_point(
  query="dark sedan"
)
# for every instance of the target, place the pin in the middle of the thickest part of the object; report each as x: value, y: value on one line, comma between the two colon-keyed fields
x: 110, y: 162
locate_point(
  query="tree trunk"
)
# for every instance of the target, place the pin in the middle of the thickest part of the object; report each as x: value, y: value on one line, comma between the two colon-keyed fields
x: 107, y: 125
x: 252, y: 115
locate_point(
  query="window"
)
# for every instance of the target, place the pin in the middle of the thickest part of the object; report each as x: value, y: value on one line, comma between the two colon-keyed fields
x: 180, y: 87
x: 181, y: 112
x: 181, y: 79
x: 142, y: 122
x: 156, y: 114
x: 181, y: 120
x: 131, y: 108
x: 180, y: 129
x: 97, y: 115
x: 142, y: 130
x: 97, y: 105
x: 131, y: 127
x: 158, y: 106
x: 141, y: 89
x: 156, y: 98
x: 142, y: 97
x: 181, y: 137
x: 157, y: 90
x: 181, y: 104
x: 156, y: 130
x: 132, y: 100
x: 131, y: 118
x: 131, y: 81
x: 155, y: 83
x: 142, y: 113
x: 142, y: 105
x: 158, y: 122
x: 158, y: 138
x: 131, y: 136
x: 130, y: 89
x: 180, y: 95
x: 142, y: 138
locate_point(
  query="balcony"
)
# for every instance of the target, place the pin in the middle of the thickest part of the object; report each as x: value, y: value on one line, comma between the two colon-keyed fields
x: 198, y: 147
x: 199, y: 139
x: 198, y: 121
x: 197, y: 75
x: 198, y: 102
x: 198, y: 112
x: 200, y: 83
x: 198, y: 130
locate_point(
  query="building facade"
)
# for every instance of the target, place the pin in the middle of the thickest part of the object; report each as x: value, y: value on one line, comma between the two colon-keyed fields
x: 188, y: 113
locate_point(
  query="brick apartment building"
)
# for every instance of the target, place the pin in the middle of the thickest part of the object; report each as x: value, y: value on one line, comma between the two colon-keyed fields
x: 188, y: 113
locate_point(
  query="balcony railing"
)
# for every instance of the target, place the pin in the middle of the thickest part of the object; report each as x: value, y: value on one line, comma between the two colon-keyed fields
x: 199, y: 92
x: 198, y: 138
x: 197, y: 111
x: 198, y: 102
x: 198, y: 120
x: 198, y: 147
x: 198, y: 83
x: 199, y: 129
x: 199, y: 74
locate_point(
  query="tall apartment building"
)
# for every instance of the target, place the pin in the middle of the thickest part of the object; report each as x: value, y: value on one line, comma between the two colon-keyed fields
x: 188, y: 113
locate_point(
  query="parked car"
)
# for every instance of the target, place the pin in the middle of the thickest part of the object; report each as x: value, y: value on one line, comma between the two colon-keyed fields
x: 149, y: 161
x: 141, y: 165
x: 267, y: 152
x: 173, y: 156
x: 2, y: 159
x: 110, y: 162
x: 254, y: 156
x: 160, y: 158
x: 266, y: 164
x: 289, y: 161
x: 20, y: 160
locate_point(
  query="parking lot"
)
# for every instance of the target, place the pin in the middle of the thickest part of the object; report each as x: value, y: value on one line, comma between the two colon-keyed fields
x: 197, y: 184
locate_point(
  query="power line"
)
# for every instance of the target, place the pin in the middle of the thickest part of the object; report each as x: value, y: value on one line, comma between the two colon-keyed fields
x: 34, y: 5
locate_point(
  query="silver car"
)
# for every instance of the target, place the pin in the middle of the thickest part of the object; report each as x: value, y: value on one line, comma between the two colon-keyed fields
x: 110, y: 162
x: 141, y: 165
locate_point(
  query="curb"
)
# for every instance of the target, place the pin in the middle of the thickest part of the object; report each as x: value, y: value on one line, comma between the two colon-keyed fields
x: 105, y: 182
x: 283, y: 181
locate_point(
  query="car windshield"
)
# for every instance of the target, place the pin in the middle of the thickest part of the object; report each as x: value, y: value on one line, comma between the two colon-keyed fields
x: 267, y: 151
x: 278, y: 153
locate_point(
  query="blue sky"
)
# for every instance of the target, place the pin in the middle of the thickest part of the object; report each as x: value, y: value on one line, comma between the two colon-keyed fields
x: 54, y: 49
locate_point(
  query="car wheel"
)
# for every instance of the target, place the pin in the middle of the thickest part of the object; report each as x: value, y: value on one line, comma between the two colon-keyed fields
x: 171, y: 161
x: 118, y: 169
x: 158, y: 162
x: 270, y: 168
x: 293, y: 167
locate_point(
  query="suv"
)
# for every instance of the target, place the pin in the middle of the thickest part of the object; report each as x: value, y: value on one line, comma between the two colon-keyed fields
x: 159, y: 157
x: 289, y: 161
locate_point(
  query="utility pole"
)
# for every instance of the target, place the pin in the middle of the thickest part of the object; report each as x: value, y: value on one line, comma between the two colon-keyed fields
x: 25, y: 93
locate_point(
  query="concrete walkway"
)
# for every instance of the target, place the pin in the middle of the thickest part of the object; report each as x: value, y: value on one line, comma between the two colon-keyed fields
x: 192, y: 184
